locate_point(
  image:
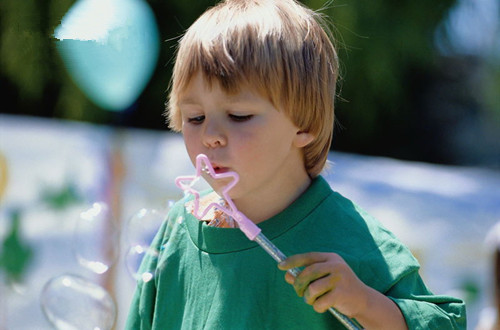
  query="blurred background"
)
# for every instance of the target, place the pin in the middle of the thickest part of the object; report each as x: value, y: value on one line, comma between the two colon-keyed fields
x: 84, y: 83
x: 420, y: 80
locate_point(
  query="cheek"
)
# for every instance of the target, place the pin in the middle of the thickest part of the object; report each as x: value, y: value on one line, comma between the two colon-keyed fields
x: 254, y: 152
x: 249, y: 148
x: 191, y: 141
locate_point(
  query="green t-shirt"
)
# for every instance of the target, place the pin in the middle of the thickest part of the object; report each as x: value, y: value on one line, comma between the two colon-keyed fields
x: 215, y: 278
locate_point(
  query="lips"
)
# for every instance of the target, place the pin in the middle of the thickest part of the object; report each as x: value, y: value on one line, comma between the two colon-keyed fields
x: 219, y: 169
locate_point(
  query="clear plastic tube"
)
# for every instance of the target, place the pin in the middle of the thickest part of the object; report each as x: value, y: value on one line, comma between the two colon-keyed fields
x: 277, y: 255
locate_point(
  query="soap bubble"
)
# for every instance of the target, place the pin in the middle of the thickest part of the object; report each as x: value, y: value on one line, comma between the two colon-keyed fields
x: 140, y: 231
x: 95, y: 243
x: 71, y: 302
x: 143, y: 225
x: 133, y: 259
x: 133, y: 262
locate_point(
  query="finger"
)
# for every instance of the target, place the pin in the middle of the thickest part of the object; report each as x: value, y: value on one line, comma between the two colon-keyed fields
x: 302, y: 260
x: 320, y: 288
x: 324, y: 302
x: 289, y: 278
x: 310, y: 274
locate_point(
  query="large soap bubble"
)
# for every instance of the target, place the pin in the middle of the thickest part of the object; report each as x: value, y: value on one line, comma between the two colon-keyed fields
x: 110, y: 48
x: 143, y: 225
x: 96, y: 239
x: 140, y: 231
x: 71, y: 302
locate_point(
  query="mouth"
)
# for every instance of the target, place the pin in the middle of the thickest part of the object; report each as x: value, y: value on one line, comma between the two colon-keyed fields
x: 217, y: 169
x: 220, y: 169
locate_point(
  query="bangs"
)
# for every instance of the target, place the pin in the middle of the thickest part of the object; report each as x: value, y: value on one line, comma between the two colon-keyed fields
x: 231, y: 62
x: 232, y: 51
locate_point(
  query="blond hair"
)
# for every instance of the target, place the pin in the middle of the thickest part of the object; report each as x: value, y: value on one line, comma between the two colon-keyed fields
x: 280, y: 48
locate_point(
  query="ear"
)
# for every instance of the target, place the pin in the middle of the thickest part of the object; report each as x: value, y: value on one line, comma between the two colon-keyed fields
x: 302, y: 139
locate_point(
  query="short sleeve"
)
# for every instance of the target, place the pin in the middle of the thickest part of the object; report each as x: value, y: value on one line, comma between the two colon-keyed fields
x: 424, y: 310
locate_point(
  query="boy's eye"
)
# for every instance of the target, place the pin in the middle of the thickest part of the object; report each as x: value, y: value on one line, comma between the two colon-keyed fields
x: 239, y: 118
x: 196, y: 120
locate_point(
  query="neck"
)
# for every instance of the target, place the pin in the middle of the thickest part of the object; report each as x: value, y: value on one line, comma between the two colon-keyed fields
x: 260, y: 207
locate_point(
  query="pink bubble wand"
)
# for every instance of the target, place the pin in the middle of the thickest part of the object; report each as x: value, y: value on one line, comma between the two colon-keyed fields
x: 250, y: 229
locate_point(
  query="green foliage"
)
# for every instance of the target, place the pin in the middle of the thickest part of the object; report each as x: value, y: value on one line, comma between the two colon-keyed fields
x: 60, y: 198
x: 386, y: 49
x: 471, y: 289
x: 16, y: 254
x: 491, y: 90
x: 32, y: 74
x: 381, y: 45
x: 22, y: 52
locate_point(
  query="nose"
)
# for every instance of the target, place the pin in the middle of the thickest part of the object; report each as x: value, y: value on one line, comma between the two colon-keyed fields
x: 213, y: 135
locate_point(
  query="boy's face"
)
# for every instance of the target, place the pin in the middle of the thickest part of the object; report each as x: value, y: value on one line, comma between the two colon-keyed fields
x: 245, y: 133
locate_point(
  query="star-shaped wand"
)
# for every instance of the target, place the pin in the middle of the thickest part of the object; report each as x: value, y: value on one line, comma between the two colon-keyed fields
x: 186, y: 183
x: 249, y: 228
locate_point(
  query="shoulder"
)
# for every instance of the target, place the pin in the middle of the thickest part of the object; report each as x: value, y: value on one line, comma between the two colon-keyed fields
x: 373, y: 251
x: 175, y: 218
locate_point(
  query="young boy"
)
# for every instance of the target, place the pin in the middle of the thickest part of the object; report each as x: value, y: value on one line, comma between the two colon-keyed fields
x: 253, y: 88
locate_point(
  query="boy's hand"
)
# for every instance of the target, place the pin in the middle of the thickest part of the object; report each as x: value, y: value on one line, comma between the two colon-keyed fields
x: 327, y: 281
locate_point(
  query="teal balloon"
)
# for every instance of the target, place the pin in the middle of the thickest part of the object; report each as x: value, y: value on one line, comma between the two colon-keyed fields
x: 110, y: 48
